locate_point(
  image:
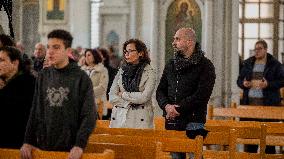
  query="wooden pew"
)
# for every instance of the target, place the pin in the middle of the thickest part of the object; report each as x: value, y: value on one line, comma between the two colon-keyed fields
x: 244, y: 135
x: 122, y: 151
x: 275, y: 130
x: 9, y: 153
x: 219, y: 138
x: 159, y: 123
x: 125, y: 147
x: 222, y: 135
x: 100, y: 105
x: 39, y: 154
x: 147, y: 143
x: 159, y: 152
x: 219, y: 135
x: 247, y: 111
x: 141, y: 132
x: 275, y: 134
x: 275, y: 137
x: 256, y: 112
x: 102, y: 123
x: 170, y: 144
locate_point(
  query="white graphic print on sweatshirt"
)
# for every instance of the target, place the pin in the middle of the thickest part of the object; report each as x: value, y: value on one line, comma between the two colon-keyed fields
x: 57, y: 96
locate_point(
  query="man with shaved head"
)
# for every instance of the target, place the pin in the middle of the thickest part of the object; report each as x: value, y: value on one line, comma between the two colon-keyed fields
x: 186, y: 86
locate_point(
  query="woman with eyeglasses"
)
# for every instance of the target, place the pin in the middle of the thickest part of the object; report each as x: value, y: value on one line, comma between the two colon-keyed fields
x: 132, y: 88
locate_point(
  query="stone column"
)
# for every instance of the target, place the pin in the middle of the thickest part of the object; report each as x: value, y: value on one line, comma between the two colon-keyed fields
x: 154, y: 35
x: 80, y: 16
x: 30, y: 22
x: 222, y: 47
x: 17, y: 19
x: 155, y: 51
x: 133, y: 18
x: 232, y: 30
x: 4, y: 22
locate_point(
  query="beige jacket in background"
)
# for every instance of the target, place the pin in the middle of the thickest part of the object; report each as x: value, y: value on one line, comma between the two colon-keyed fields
x: 99, y: 77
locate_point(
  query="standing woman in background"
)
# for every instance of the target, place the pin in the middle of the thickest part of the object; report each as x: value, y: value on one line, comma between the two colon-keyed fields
x: 98, y: 74
x: 132, y: 88
x: 111, y: 74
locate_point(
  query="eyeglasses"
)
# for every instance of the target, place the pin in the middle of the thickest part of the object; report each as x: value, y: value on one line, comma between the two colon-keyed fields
x: 128, y: 51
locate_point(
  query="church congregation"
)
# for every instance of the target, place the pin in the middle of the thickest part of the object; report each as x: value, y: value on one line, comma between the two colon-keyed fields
x: 180, y: 79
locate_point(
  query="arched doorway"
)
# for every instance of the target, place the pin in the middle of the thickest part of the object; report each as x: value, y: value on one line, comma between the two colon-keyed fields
x: 181, y: 13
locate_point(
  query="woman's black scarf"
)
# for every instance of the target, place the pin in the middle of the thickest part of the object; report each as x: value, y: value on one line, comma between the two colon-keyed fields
x: 131, y: 76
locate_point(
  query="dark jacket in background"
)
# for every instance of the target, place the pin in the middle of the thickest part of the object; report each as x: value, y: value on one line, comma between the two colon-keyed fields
x: 111, y: 74
x: 273, y: 73
x: 189, y: 86
x: 16, y: 101
x: 38, y: 64
x: 62, y: 115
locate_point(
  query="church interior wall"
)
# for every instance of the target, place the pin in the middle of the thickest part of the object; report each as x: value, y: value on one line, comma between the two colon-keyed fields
x: 80, y: 22
x: 145, y: 19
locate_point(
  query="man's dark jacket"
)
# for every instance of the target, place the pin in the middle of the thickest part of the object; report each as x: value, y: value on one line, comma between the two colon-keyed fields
x: 189, y: 84
x: 273, y: 73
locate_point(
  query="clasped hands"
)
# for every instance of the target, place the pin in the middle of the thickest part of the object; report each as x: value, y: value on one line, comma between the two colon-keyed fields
x: 171, y: 111
x: 261, y: 84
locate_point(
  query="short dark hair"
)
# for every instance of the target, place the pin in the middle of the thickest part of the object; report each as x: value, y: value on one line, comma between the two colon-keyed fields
x: 140, y: 47
x: 96, y: 55
x: 105, y: 54
x: 63, y: 35
x: 7, y: 40
x: 14, y: 54
x: 262, y: 42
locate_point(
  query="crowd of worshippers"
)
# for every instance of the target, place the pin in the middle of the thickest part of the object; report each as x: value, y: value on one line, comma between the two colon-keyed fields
x: 49, y: 99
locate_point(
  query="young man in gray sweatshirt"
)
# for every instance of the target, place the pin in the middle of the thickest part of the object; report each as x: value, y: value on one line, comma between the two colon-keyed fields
x: 62, y: 116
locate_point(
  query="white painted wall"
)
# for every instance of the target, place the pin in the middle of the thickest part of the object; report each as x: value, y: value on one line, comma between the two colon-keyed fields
x: 78, y: 22
x: 80, y: 15
x: 146, y: 22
